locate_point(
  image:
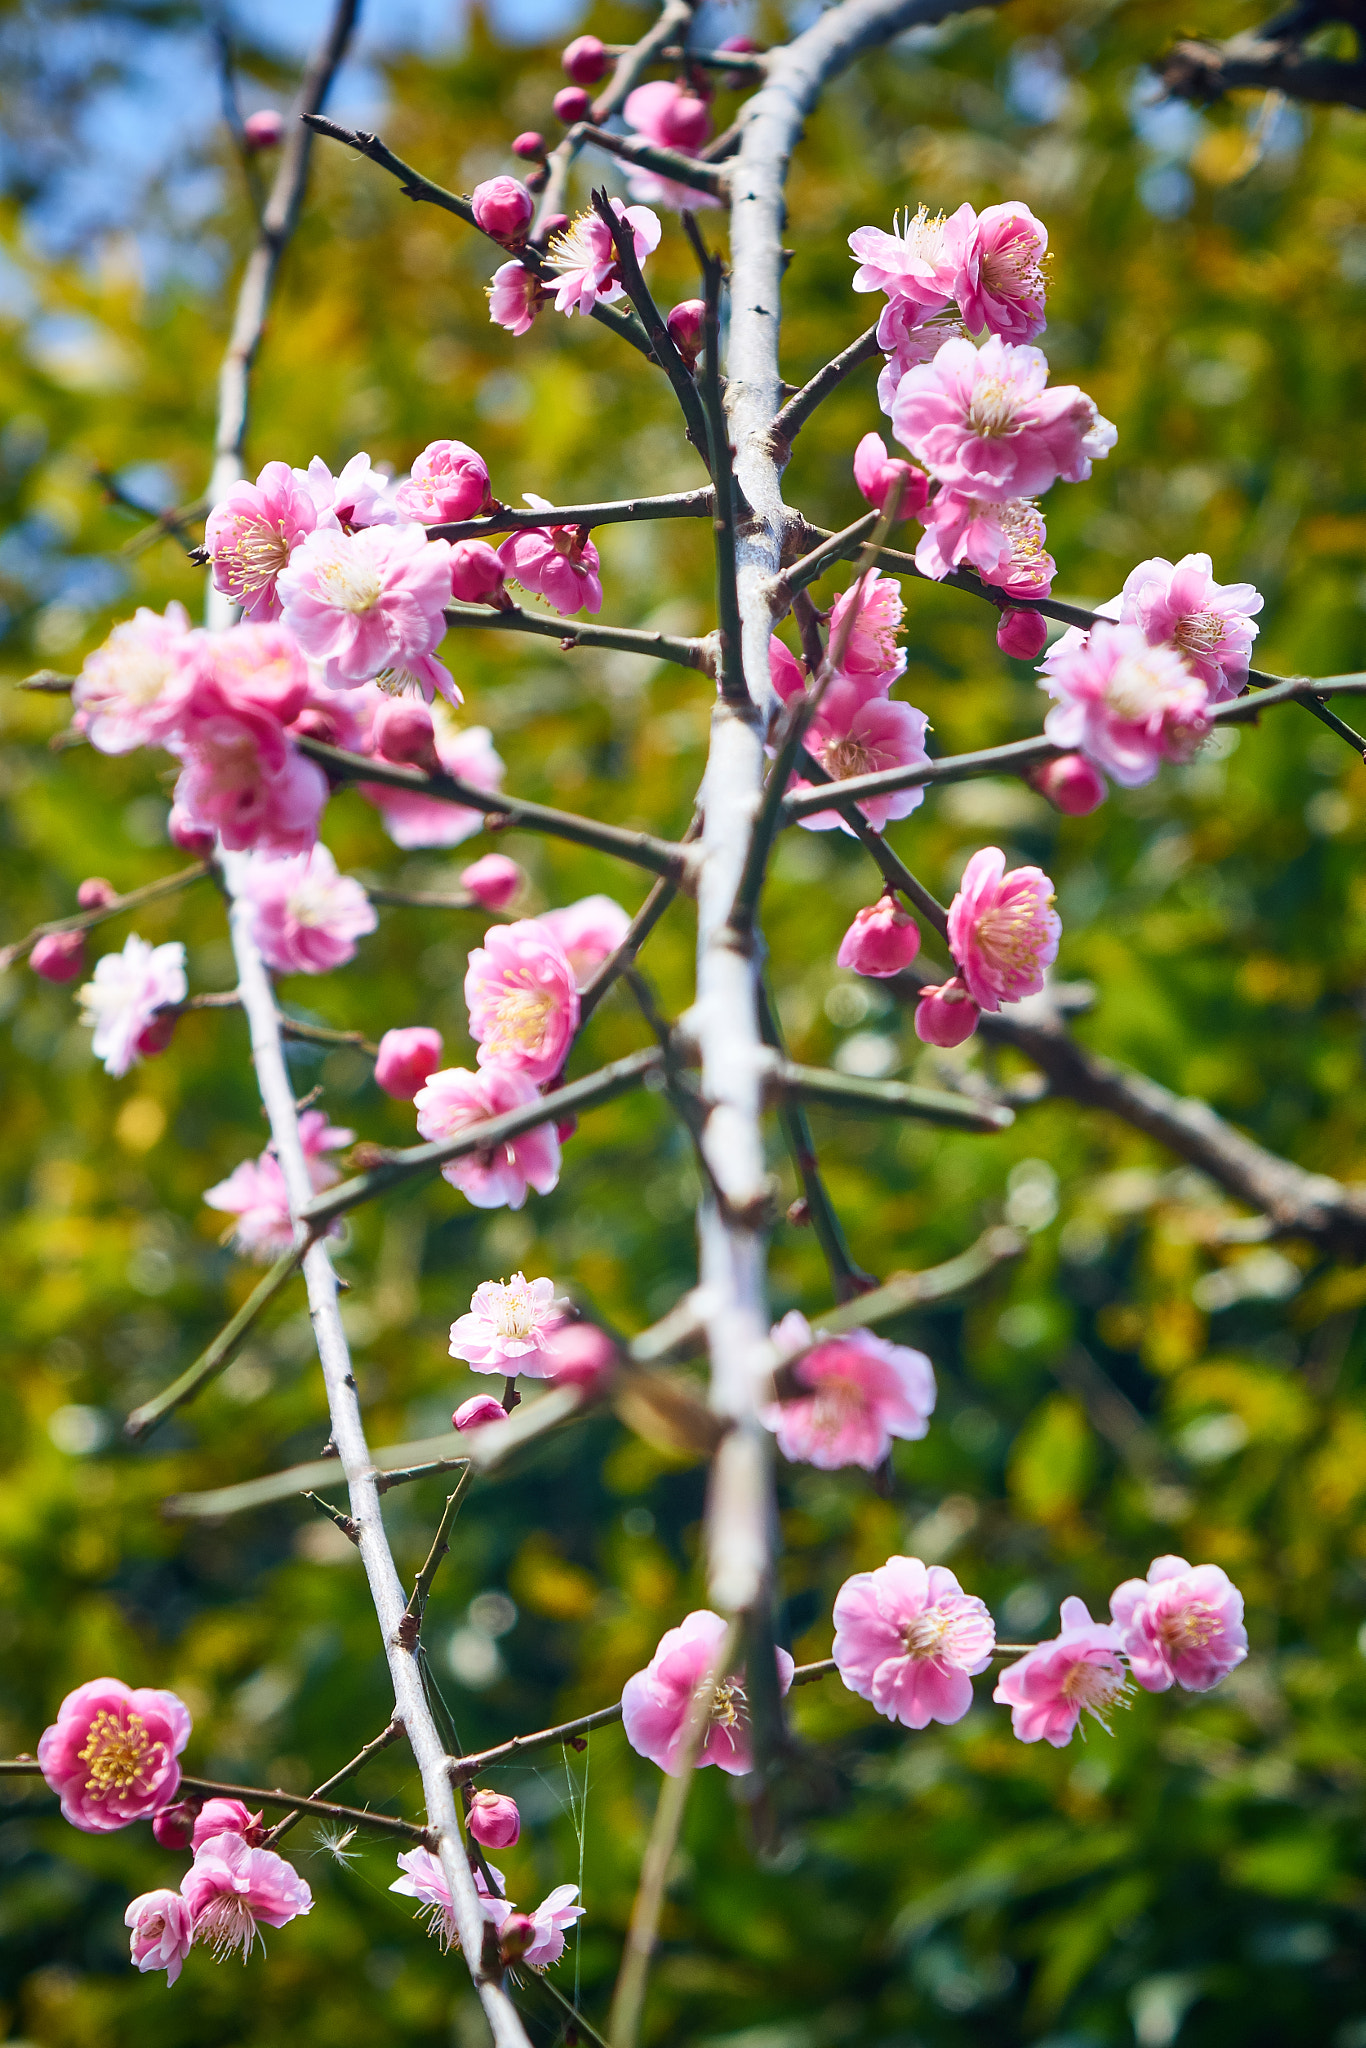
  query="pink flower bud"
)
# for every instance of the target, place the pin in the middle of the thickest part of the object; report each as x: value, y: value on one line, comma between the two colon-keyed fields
x: 503, y: 208
x: 494, y: 1819
x: 529, y: 146
x: 580, y: 1355
x: 565, y: 1128
x: 877, y: 473
x: 226, y: 1817
x: 516, y: 1937
x: 173, y: 1826
x: 684, y: 121
x: 1071, y: 785
x: 189, y: 837
x: 476, y: 572
x: 478, y: 1410
x: 96, y: 894
x: 406, y: 1057
x: 265, y: 129
x: 571, y: 103
x: 493, y: 881
x: 585, y: 61
x: 403, y: 731
x: 946, y: 1015
x: 157, y: 1035
x: 742, y: 45
x: 555, y: 224
x: 60, y: 956
x: 1022, y: 635
x: 882, y: 940
x: 685, y: 324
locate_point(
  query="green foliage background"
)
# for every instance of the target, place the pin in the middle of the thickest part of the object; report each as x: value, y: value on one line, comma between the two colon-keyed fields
x: 1197, y: 1877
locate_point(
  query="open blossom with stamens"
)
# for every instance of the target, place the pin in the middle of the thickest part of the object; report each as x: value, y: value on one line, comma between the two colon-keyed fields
x: 358, y: 496
x: 880, y: 475
x: 305, y: 916
x: 1053, y: 1685
x: 1183, y: 1622
x: 515, y: 297
x: 984, y: 423
x: 424, y: 1879
x: 853, y: 734
x: 556, y: 1912
x: 1124, y: 704
x: 655, y: 1702
x: 508, y: 1327
x: 914, y: 261
x: 250, y: 535
x: 1210, y: 623
x: 454, y: 1099
x: 854, y: 1394
x: 911, y: 1640
x: 242, y: 776
x: 870, y: 648
x: 230, y: 1888
x: 589, y: 931
x: 447, y: 481
x: 122, y: 999
x: 110, y: 1755
x: 1007, y: 544
x: 1003, y: 929
x: 255, y: 1191
x: 162, y: 1932
x: 523, y: 1002
x: 129, y: 690
x: 584, y: 257
x: 558, y: 563
x: 225, y: 1817
x: 998, y: 276
x: 370, y: 604
x: 410, y: 819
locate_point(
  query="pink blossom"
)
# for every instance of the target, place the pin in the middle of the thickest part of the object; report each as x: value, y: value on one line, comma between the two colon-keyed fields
x: 1022, y: 635
x: 882, y: 940
x: 478, y: 1412
x: 358, y: 496
x: 413, y: 820
x: 687, y: 327
x: 877, y: 475
x: 252, y: 533
x: 673, y: 118
x: 425, y: 1880
x: 110, y: 1755
x: 255, y: 1191
x: 855, y: 1394
x: 999, y: 282
x: 581, y: 1355
x: 406, y: 1058
x: 914, y: 262
x: 339, y: 718
x: 306, y: 917
x: 503, y: 208
x: 946, y: 1015
x: 785, y: 671
x: 229, y: 1888
x: 477, y: 573
x: 225, y: 1817
x: 129, y: 690
x: 58, y: 956
x: 265, y: 129
x: 189, y: 837
x: 1003, y: 929
x: 555, y: 1913
x: 909, y: 336
x: 508, y: 1327
x: 853, y: 734
x: 1070, y: 784
x: 241, y: 774
x: 1054, y: 1684
x: 570, y: 104
x: 162, y: 1932
x: 493, y: 881
x: 589, y: 932
x: 655, y: 1703
x: 584, y: 257
x: 558, y: 563
x: 515, y: 297
x: 1210, y: 623
x: 1125, y: 705
x: 403, y: 731
x: 499, y: 1176
x: 493, y: 1818
x: 982, y: 421
x: 123, y: 996
x: 370, y: 603
x: 911, y: 1640
x: 1005, y: 543
x: 448, y: 480
x: 870, y: 649
x: 1183, y: 1622
x: 94, y: 893
x: 523, y: 1003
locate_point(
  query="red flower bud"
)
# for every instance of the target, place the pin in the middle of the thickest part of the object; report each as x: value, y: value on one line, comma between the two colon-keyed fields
x: 474, y: 1414
x: 174, y: 1825
x: 1071, y: 785
x: 685, y: 324
x: 1022, y: 635
x: 476, y: 572
x: 406, y: 1058
x: 571, y: 103
x: 156, y: 1036
x: 585, y: 60
x: 529, y: 145
x: 493, y: 881
x: 60, y: 956
x: 580, y: 1355
x: 503, y: 208
x: 403, y: 731
x: 191, y: 838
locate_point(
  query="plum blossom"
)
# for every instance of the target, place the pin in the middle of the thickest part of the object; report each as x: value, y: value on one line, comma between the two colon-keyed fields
x: 478, y: 1411
x: 911, y: 1640
x: 499, y: 1176
x: 370, y: 604
x: 558, y: 563
x: 1210, y: 623
x: 1125, y: 705
x: 523, y: 1002
x: 589, y: 931
x: 876, y: 611
x: 580, y: 1355
x: 850, y: 1397
x: 358, y: 496
x: 306, y: 917
x: 162, y: 1932
x: 424, y: 1879
x: 882, y: 940
x: 477, y: 574
x: 556, y: 1912
x: 981, y: 420
x: 1005, y: 543
x: 110, y: 1755
x: 493, y: 881
x: 908, y: 336
x: 412, y: 819
x: 447, y: 481
x: 1070, y: 784
x: 1003, y: 929
x: 947, y: 1014
x: 225, y: 1817
x: 502, y: 208
x: 673, y: 118
x: 241, y: 774
x: 493, y: 1818
x: 250, y: 535
x: 999, y: 281
x: 1183, y: 1622
x: 913, y: 262
x: 508, y: 1327
x: 1022, y: 634
x: 878, y: 474
x: 255, y: 1192
x: 1078, y: 1672
x: 58, y: 956
x: 128, y: 691
x: 584, y: 257
x: 853, y: 734
x: 655, y: 1702
x: 123, y: 997
x: 230, y: 1888
x: 406, y: 1057
x: 515, y: 297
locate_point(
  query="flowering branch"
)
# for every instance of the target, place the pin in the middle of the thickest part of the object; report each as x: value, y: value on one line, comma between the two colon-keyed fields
x: 732, y: 677
x: 662, y: 343
x: 609, y: 512
x: 213, y: 1788
x: 793, y: 416
x: 624, y: 639
x: 113, y: 906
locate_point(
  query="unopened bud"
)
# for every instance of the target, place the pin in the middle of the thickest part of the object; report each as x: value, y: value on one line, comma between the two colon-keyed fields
x: 406, y: 1057
x: 516, y: 1936
x: 571, y: 103
x: 476, y: 1413
x: 182, y: 831
x: 403, y: 731
x: 1022, y: 634
x: 946, y: 1015
x: 580, y: 1355
x: 555, y: 224
x: 264, y: 129
x: 493, y: 881
x: 878, y: 475
x: 494, y: 1819
x: 503, y: 208
x: 96, y: 894
x: 584, y: 60
x: 1071, y: 785
x: 59, y: 956
x: 687, y: 326
x: 156, y: 1036
x: 476, y: 572
x: 173, y: 1826
x: 529, y: 146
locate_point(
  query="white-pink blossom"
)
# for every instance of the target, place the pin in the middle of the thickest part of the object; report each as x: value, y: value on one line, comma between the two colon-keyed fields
x: 498, y: 1176
x: 655, y: 1702
x: 123, y: 996
x: 670, y: 116
x: 370, y: 604
x: 1003, y: 929
x: 1183, y: 1622
x: 874, y: 607
x: 984, y: 423
x: 1007, y: 543
x: 230, y: 1888
x: 250, y: 535
x: 556, y: 1912
x: 854, y: 734
x: 522, y: 998
x: 242, y: 775
x: 589, y: 931
x: 1125, y: 705
x: 424, y: 1879
x: 162, y: 1932
x: 846, y: 1398
x: 306, y: 917
x: 558, y: 563
x: 508, y: 1327
x: 359, y: 495
x: 1210, y: 623
x: 913, y: 262
x: 1055, y: 1683
x: 255, y: 1192
x: 412, y: 819
x: 584, y: 257
x: 129, y: 690
x: 911, y: 1640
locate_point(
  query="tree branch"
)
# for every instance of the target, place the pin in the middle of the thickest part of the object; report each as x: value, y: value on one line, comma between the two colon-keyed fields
x: 793, y: 416
x: 86, y: 920
x: 607, y: 512
x: 219, y: 1354
x: 570, y: 634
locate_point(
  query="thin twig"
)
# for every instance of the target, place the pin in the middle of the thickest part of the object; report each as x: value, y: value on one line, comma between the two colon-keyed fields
x: 789, y: 422
x: 396, y: 1465
x: 936, y: 1283
x: 652, y: 320
x: 86, y: 920
x: 623, y: 957
x: 889, y: 1098
x: 605, y: 512
x: 847, y: 1278
x: 422, y: 1585
x: 667, y: 163
x: 570, y: 634
x: 219, y: 1354
x: 381, y: 1741
x: 732, y: 677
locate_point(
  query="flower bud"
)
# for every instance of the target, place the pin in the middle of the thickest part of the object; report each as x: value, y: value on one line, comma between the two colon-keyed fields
x: 189, y: 837
x: 403, y: 731
x: 59, y: 956
x: 565, y: 1128
x: 877, y: 474
x: 173, y: 1826
x: 585, y: 60
x: 946, y: 1015
x: 516, y: 1936
x: 314, y: 722
x: 529, y: 146
x: 226, y: 1817
x: 156, y: 1036
x: 474, y: 1413
x: 493, y: 881
x: 571, y: 103
x: 684, y: 121
x: 1022, y: 634
x: 742, y: 45
x: 882, y: 940
x: 685, y: 324
x: 580, y: 1355
x: 476, y: 572
x: 555, y: 224
x: 494, y: 1819
x: 406, y: 1057
x: 96, y: 894
x: 503, y: 208
x: 1071, y: 785
x: 265, y: 129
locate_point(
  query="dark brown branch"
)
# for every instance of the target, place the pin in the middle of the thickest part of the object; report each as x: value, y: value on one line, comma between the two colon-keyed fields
x: 1257, y: 63
x: 667, y: 163
x: 608, y: 512
x: 798, y: 410
x: 571, y: 633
